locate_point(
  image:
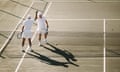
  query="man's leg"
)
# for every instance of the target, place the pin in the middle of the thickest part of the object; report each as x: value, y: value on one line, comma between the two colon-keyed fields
x: 39, y: 38
x: 23, y: 43
x: 45, y: 36
x: 30, y: 43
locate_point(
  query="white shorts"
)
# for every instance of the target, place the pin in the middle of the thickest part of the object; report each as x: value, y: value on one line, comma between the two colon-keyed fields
x: 42, y: 31
x: 26, y: 34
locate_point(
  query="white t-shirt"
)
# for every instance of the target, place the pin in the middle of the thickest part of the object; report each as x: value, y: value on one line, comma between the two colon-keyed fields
x: 41, y: 23
x: 27, y: 24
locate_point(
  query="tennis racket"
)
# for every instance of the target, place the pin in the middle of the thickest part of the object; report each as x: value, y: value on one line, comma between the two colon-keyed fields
x: 19, y: 35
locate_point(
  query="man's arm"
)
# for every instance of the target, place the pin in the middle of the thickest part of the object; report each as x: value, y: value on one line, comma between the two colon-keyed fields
x: 35, y: 22
x: 47, y: 23
x: 22, y: 28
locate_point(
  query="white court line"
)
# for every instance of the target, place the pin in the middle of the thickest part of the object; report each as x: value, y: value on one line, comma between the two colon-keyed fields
x: 39, y: 1
x: 21, y: 60
x: 104, y: 1
x: 92, y: 1
x: 77, y: 19
x: 47, y: 8
x: 104, y: 49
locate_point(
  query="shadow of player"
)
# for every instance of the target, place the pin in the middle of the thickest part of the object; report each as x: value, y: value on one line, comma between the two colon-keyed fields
x: 47, y: 60
x: 66, y: 54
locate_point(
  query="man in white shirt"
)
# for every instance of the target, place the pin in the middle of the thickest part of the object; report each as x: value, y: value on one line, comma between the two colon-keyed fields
x: 26, y: 32
x: 42, y: 26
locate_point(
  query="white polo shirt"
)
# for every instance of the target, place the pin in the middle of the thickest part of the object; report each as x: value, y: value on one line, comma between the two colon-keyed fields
x: 27, y: 28
x: 41, y: 23
x: 27, y: 25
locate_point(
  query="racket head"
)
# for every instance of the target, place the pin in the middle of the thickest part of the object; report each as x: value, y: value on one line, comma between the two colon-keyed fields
x: 19, y: 35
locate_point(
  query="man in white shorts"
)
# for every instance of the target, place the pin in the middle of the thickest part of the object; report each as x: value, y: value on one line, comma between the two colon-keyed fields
x: 26, y: 32
x: 42, y: 26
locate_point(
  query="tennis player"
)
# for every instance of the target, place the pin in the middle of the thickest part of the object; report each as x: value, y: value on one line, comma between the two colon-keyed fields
x: 42, y: 26
x: 26, y: 32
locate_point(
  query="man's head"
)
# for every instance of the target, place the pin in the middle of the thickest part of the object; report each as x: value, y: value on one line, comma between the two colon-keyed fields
x: 29, y: 17
x: 39, y: 14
